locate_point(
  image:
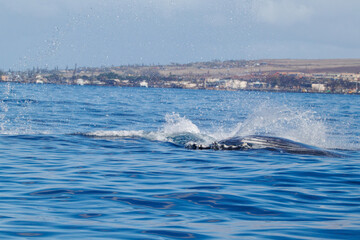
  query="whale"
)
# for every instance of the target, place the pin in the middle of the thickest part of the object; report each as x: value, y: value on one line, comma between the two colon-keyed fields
x: 263, y: 142
x: 196, y: 141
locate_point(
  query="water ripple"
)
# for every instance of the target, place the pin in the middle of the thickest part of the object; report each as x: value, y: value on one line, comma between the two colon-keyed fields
x: 58, y: 185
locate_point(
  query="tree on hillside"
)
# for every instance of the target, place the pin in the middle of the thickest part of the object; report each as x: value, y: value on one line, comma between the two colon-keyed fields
x: 108, y: 76
x: 56, y: 78
x: 284, y: 81
x: 151, y: 73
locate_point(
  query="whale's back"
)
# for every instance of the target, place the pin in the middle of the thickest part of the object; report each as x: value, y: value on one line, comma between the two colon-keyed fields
x: 271, y: 143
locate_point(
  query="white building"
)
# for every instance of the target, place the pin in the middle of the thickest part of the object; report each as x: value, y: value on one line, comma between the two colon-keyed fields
x: 236, y: 84
x: 318, y: 87
x: 4, y: 78
x: 40, y: 79
x: 189, y: 85
x: 81, y: 81
x: 144, y: 84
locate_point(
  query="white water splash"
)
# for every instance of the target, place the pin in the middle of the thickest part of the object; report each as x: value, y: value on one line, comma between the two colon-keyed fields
x: 284, y: 121
x: 174, y: 126
x: 14, y: 113
x: 4, y: 107
x: 277, y: 121
x: 177, y: 124
x: 116, y: 134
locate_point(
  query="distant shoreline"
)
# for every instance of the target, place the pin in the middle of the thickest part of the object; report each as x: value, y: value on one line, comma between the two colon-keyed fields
x: 340, y: 76
x: 201, y: 89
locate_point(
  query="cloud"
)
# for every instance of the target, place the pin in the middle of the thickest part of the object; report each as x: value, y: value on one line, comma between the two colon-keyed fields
x: 44, y: 8
x: 176, y: 30
x: 283, y: 12
x: 173, y: 5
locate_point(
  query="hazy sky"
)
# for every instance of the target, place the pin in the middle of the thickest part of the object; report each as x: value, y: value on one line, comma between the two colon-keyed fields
x: 115, y: 32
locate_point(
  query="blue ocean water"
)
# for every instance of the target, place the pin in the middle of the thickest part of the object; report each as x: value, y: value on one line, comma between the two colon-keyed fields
x: 87, y: 162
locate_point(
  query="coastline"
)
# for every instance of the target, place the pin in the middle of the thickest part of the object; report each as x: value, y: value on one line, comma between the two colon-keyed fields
x: 340, y: 76
x: 203, y: 89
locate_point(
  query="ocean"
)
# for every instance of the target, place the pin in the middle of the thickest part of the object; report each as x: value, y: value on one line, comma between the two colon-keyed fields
x: 90, y: 162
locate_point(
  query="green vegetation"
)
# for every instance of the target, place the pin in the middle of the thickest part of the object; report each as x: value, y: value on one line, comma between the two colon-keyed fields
x: 108, y: 76
x: 269, y: 75
x: 285, y: 81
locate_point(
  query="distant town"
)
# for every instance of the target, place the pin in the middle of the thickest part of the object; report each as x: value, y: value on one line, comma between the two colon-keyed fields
x: 288, y: 75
